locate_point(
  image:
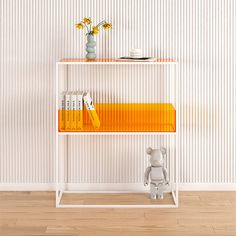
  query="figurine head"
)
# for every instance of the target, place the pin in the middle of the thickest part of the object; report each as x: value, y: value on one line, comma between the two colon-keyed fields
x: 157, y: 156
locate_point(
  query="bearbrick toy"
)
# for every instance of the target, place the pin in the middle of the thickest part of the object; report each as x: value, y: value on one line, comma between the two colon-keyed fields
x: 156, y: 172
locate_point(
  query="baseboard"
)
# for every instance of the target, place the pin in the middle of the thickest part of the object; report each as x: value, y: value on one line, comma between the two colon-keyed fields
x: 134, y: 187
x: 27, y: 187
x: 207, y: 187
x: 111, y: 187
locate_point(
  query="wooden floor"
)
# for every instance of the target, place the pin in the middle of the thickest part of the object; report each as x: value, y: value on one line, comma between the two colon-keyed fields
x: 200, y: 213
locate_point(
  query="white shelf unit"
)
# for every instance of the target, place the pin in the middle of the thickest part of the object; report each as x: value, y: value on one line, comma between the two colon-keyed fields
x: 61, y: 186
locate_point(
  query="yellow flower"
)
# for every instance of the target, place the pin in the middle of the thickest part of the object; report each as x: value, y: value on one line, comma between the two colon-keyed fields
x: 95, y: 30
x: 79, y: 26
x: 107, y: 26
x: 87, y: 21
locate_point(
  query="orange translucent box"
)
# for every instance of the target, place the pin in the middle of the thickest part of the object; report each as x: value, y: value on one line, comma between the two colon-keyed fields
x: 129, y: 117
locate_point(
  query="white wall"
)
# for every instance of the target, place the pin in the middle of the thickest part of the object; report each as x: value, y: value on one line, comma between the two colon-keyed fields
x: 200, y: 34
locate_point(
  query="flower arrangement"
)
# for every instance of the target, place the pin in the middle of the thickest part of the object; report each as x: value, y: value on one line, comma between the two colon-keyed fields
x: 92, y: 30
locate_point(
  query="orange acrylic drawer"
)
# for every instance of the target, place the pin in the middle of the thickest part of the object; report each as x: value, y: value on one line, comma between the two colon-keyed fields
x: 128, y: 117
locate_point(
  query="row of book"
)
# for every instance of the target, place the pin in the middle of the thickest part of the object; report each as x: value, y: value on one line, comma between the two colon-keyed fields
x: 71, y: 106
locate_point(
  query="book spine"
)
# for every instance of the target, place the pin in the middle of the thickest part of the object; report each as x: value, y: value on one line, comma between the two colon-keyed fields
x: 61, y: 112
x: 79, y: 111
x: 68, y: 111
x: 73, y: 111
x: 91, y: 110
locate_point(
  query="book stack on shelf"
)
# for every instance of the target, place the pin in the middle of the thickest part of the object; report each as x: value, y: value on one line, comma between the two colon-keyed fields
x: 71, y: 111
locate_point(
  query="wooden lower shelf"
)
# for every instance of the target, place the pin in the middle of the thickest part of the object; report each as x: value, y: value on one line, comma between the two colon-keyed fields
x: 128, y: 117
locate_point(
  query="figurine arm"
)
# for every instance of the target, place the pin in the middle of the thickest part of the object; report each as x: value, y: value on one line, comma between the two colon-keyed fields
x: 146, y: 175
x: 165, y: 175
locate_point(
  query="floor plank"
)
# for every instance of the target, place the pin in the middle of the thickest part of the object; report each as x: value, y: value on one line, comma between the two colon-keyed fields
x: 115, y: 199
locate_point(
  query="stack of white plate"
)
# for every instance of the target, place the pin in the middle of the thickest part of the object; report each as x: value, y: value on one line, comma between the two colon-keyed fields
x: 136, y: 53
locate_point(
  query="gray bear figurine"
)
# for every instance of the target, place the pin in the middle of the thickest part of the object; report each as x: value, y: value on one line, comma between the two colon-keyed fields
x: 157, y: 173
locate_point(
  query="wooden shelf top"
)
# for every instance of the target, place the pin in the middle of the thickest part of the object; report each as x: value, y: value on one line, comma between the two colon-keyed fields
x: 115, y: 61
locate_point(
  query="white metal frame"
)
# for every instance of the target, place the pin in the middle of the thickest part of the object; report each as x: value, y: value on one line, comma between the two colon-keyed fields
x: 59, y: 191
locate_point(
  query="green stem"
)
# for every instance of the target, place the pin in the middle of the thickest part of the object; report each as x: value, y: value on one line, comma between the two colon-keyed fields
x: 101, y: 23
x: 87, y: 29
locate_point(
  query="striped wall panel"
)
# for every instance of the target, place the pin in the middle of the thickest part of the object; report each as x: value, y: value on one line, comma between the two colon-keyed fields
x: 200, y: 34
